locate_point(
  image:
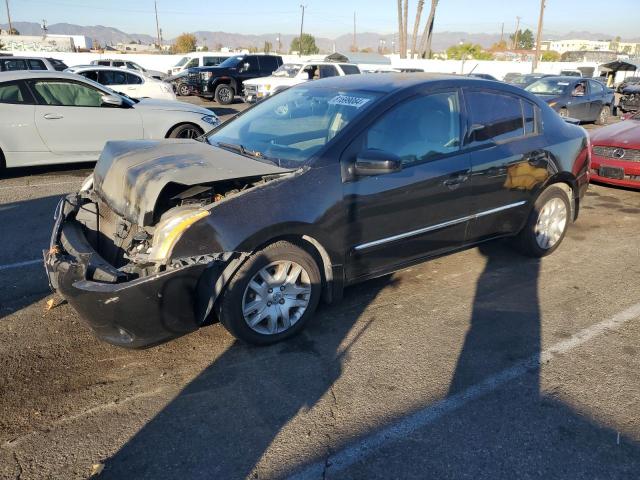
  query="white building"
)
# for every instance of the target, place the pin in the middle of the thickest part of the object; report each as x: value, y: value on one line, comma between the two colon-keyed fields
x: 81, y: 42
x: 562, y: 46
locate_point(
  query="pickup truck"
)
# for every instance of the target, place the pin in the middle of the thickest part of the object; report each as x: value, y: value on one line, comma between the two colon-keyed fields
x: 223, y: 82
x: 291, y: 74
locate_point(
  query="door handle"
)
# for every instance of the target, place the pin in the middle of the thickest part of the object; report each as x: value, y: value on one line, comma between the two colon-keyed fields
x: 455, y: 182
x: 52, y: 116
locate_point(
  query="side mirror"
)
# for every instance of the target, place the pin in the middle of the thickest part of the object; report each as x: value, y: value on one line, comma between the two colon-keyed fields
x: 111, y: 101
x: 376, y: 162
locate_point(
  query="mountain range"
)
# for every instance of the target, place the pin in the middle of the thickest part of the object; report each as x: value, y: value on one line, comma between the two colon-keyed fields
x: 441, y: 40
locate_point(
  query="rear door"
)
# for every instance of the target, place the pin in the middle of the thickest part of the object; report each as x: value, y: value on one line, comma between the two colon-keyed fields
x: 73, y: 123
x: 421, y: 210
x: 597, y: 98
x: 508, y: 160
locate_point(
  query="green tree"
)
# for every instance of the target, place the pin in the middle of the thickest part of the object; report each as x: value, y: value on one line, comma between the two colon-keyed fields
x: 550, y: 56
x: 468, y: 51
x: 525, y: 39
x: 268, y: 47
x: 185, y: 43
x: 1, y: 45
x: 308, y: 45
x: 205, y: 48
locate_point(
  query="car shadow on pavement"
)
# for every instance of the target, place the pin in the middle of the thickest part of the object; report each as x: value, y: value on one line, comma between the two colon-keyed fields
x: 223, y: 422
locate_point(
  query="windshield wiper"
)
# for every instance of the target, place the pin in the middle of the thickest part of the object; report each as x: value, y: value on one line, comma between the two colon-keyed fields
x: 246, y: 152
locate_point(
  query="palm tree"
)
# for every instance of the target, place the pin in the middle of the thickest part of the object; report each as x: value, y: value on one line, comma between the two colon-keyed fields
x: 405, y: 42
x: 400, y: 23
x: 425, y: 42
x: 416, y: 24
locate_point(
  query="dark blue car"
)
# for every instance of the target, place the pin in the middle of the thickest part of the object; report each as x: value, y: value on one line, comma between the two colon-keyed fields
x: 584, y: 99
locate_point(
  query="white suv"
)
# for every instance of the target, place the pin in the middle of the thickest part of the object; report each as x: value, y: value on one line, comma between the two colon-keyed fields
x: 291, y: 74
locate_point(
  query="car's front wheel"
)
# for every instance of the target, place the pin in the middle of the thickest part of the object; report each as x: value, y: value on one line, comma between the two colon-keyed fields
x: 187, y: 130
x: 547, y: 224
x: 224, y: 94
x: 272, y: 296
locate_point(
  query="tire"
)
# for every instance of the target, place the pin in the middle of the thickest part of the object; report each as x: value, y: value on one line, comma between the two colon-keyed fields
x: 186, y: 130
x: 242, y: 296
x: 603, y: 116
x: 183, y: 90
x: 530, y: 240
x: 224, y: 94
x: 563, y: 112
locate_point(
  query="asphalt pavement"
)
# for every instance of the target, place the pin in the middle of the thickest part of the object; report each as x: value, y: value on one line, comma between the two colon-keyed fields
x: 482, y: 364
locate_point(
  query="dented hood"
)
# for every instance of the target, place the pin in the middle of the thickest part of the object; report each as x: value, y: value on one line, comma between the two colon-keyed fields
x: 130, y: 176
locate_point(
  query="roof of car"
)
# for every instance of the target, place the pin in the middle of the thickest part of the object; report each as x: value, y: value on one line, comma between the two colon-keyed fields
x: 13, y: 57
x: 103, y: 67
x: 398, y: 81
x: 29, y: 74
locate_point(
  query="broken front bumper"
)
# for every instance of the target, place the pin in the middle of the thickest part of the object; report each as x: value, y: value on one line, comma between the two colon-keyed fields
x: 129, y: 313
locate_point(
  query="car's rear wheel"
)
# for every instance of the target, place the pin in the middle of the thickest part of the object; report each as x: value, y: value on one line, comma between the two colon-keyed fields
x: 272, y: 296
x: 604, y: 115
x: 183, y: 90
x: 187, y: 130
x: 547, y: 224
x: 224, y: 94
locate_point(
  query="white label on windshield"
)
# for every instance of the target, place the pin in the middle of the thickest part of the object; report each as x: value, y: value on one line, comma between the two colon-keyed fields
x: 563, y: 83
x: 349, y: 101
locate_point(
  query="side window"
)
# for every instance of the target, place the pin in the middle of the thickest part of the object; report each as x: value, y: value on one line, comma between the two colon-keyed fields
x: 14, y: 93
x: 117, y: 77
x: 596, y: 87
x: 132, y: 66
x: 419, y: 129
x: 268, y: 64
x: 328, y: 71
x: 209, y: 61
x: 254, y: 66
x: 66, y: 94
x: 104, y: 63
x: 118, y: 64
x: 580, y: 89
x: 194, y: 62
x: 13, y: 64
x: 349, y: 69
x: 529, y: 114
x: 35, y: 64
x: 91, y: 75
x: 494, y: 116
x: 105, y: 77
x: 133, y: 79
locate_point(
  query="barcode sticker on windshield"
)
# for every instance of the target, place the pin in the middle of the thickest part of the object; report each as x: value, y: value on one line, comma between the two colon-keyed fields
x: 349, y: 101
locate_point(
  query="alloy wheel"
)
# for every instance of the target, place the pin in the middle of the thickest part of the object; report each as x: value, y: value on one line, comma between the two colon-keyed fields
x: 551, y: 223
x: 276, y: 297
x: 189, y: 133
x: 184, y: 90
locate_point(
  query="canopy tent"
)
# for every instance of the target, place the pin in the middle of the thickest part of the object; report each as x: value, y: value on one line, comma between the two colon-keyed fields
x: 358, y: 58
x: 619, y: 66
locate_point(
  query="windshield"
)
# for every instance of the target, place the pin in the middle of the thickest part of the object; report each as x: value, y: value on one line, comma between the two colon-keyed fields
x: 288, y: 70
x: 231, y: 62
x: 546, y: 86
x: 289, y: 128
x: 182, y: 61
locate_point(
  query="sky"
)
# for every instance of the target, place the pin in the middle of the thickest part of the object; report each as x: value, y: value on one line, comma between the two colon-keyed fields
x: 329, y: 18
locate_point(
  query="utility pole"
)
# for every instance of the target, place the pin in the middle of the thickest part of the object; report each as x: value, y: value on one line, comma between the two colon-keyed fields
x: 354, y: 47
x: 534, y: 64
x: 9, y: 17
x: 301, y: 26
x: 158, y: 25
x: 279, y: 43
x: 515, y: 35
x: 502, y: 32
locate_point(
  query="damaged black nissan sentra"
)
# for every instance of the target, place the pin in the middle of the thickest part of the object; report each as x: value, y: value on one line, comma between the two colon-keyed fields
x: 323, y: 185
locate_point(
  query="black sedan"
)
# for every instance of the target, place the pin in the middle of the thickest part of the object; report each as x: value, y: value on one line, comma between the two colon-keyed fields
x: 584, y: 99
x: 323, y: 185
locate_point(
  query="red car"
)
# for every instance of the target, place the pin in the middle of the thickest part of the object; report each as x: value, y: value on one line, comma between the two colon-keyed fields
x: 615, y: 156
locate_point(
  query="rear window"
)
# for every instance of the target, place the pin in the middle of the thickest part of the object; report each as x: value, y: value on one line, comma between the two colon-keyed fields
x: 268, y: 64
x: 349, y: 69
x: 35, y: 64
x: 133, y: 79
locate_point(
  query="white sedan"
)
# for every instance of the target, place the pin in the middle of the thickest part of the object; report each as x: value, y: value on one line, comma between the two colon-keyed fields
x: 130, y: 82
x: 53, y: 117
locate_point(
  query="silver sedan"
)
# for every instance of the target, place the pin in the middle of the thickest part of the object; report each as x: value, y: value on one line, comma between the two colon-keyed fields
x: 51, y: 117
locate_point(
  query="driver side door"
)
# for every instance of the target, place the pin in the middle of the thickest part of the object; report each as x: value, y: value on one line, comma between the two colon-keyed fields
x: 579, y: 104
x: 74, y: 124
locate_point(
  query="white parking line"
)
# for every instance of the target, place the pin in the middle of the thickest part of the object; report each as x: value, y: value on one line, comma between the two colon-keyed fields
x: 26, y: 263
x: 365, y: 447
x: 11, y: 187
